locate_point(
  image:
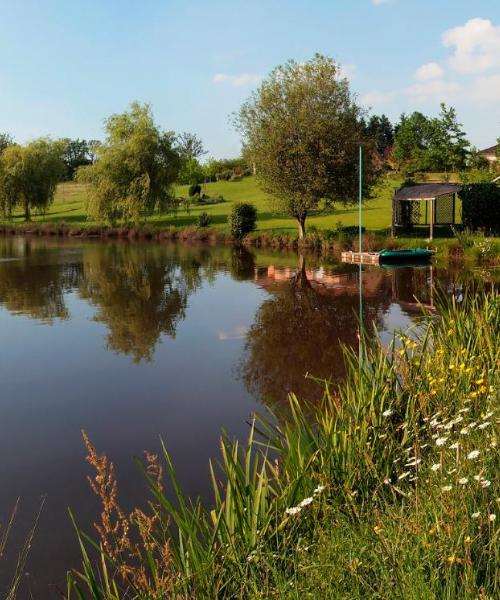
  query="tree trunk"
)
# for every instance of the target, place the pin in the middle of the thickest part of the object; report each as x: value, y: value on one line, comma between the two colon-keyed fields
x: 301, y: 220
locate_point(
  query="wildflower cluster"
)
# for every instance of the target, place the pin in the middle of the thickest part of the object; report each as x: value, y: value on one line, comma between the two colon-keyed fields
x: 294, y: 510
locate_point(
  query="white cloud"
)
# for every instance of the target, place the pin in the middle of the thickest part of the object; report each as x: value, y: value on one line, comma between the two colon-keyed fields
x: 429, y: 71
x: 434, y: 90
x: 486, y: 91
x: 476, y: 46
x: 377, y: 98
x: 239, y: 80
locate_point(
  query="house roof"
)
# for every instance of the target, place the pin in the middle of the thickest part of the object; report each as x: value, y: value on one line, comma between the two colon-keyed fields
x: 426, y: 191
x: 491, y: 150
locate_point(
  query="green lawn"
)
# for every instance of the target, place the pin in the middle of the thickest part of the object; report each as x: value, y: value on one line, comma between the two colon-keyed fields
x: 70, y: 199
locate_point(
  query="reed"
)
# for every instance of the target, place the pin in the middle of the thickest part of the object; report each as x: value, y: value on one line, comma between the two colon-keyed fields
x: 385, y: 489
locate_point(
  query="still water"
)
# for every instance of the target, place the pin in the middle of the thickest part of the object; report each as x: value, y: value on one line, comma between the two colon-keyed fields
x: 131, y: 342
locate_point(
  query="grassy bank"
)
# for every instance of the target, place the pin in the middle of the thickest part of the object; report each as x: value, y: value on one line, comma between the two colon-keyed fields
x: 69, y: 208
x: 387, y: 489
x: 328, y: 230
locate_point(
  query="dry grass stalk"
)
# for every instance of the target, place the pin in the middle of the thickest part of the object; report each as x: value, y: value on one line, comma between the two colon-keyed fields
x: 135, y: 544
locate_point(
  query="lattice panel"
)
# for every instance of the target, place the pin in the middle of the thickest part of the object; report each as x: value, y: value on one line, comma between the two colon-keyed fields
x: 444, y: 210
x: 407, y: 213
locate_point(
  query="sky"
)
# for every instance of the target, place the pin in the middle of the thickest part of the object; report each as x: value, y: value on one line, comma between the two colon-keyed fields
x: 66, y: 65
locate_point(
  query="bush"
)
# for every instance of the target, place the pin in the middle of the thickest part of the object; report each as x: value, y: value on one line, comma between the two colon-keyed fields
x: 481, y: 206
x: 242, y: 220
x: 204, y: 219
x: 194, y: 189
x: 352, y: 230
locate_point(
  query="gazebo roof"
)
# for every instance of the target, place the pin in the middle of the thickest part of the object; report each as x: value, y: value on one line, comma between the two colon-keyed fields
x: 426, y: 191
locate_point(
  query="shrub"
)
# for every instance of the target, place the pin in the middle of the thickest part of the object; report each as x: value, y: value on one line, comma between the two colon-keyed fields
x: 481, y: 206
x: 195, y: 189
x: 204, y: 219
x: 350, y: 230
x: 463, y: 236
x: 242, y: 220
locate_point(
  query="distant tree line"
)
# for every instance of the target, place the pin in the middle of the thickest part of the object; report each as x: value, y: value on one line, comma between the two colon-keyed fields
x: 301, y: 132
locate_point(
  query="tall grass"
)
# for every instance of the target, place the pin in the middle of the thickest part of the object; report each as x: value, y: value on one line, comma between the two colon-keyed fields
x: 22, y: 557
x: 386, y: 489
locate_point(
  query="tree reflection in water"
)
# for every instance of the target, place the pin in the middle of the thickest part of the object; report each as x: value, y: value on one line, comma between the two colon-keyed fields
x: 141, y: 291
x: 305, y: 322
x: 34, y: 283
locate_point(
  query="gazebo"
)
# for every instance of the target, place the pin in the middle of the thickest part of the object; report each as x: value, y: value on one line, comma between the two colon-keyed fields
x: 424, y: 204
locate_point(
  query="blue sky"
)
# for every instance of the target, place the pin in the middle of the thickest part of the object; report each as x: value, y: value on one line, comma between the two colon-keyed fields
x: 65, y: 65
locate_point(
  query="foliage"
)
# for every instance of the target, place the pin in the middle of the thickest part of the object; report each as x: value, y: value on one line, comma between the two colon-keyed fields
x: 29, y: 176
x: 388, y: 484
x: 485, y: 249
x: 381, y: 131
x: 135, y: 169
x: 430, y: 144
x: 473, y: 175
x: 191, y: 172
x: 189, y: 146
x: 204, y: 219
x: 302, y: 129
x: 464, y: 237
x: 5, y: 140
x: 242, y: 219
x: 498, y: 147
x: 77, y: 153
x: 225, y: 168
x: 476, y: 161
x: 481, y: 206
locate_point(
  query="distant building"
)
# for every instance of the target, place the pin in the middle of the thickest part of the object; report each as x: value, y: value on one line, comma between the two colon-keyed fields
x: 490, y: 154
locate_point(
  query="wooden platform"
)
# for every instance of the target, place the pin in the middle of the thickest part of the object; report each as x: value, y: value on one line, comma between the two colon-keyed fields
x: 365, y: 258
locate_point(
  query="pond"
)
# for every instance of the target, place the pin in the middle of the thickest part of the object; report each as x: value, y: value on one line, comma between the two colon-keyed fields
x: 133, y: 341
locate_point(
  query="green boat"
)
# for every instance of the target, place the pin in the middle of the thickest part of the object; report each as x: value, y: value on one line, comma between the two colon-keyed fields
x: 405, y: 255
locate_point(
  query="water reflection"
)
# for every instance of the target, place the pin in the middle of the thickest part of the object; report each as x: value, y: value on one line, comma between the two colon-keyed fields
x: 32, y: 283
x: 139, y: 292
x: 304, y: 322
x: 131, y: 341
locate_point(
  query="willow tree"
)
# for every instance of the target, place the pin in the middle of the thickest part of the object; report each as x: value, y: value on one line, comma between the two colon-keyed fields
x: 135, y: 168
x: 29, y: 176
x: 302, y: 129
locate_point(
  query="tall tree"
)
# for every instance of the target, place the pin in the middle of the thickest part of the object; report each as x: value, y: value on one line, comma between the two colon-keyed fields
x: 135, y: 169
x: 190, y: 149
x: 302, y: 129
x: 29, y: 176
x: 380, y: 129
x: 76, y: 154
x: 5, y: 140
x: 424, y: 143
x: 189, y: 146
x: 93, y: 149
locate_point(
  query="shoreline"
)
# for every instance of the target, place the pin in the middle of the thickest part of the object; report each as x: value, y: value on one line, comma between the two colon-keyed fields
x: 323, y: 242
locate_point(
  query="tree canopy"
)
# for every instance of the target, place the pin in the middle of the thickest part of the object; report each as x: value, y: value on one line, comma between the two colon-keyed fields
x: 5, y: 140
x: 424, y: 143
x: 381, y: 131
x: 302, y: 128
x: 78, y: 153
x: 29, y: 176
x: 135, y: 168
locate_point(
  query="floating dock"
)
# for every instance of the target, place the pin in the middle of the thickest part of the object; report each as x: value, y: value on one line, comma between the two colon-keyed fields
x: 365, y: 258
